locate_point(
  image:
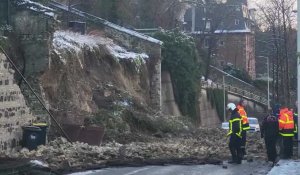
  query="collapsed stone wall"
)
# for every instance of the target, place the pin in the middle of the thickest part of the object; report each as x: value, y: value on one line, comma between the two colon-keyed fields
x: 13, y: 110
x: 131, y: 40
x: 152, y: 48
x: 88, y: 73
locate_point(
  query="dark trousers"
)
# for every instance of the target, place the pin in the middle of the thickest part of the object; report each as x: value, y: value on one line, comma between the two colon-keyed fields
x: 243, y: 142
x: 235, y: 148
x: 287, y: 147
x: 271, y: 148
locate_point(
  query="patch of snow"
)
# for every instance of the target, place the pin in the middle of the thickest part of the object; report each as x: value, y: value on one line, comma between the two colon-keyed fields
x: 120, y: 52
x: 209, y: 81
x: 87, y: 172
x: 4, y: 37
x: 37, y: 7
x: 67, y: 40
x: 286, y: 167
x: 133, y: 33
x: 247, y: 30
x: 109, y: 24
x: 23, y: 2
x: 110, y: 85
x: 50, y: 14
x: 124, y: 103
x: 39, y: 163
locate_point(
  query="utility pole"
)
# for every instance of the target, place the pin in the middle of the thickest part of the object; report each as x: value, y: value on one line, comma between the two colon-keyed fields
x: 298, y: 72
x: 268, y: 83
x: 224, y: 98
x: 268, y: 95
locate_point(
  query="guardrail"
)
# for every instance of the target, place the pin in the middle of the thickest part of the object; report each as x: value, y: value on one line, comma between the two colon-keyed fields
x: 236, y: 91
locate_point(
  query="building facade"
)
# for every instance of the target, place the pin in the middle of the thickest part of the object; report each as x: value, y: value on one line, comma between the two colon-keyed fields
x: 227, y: 30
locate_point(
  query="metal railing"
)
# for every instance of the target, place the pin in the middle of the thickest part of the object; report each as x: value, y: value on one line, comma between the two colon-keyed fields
x: 236, y: 91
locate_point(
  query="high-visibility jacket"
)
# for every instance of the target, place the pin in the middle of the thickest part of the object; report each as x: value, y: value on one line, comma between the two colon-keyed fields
x: 243, y: 114
x: 235, y: 124
x: 286, y: 123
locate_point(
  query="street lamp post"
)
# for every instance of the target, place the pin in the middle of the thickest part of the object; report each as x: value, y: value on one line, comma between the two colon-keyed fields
x: 268, y: 95
x: 268, y: 83
x: 298, y: 72
x: 224, y: 99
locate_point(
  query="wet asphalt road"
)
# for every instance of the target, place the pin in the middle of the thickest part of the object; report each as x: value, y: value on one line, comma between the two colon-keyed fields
x: 246, y: 168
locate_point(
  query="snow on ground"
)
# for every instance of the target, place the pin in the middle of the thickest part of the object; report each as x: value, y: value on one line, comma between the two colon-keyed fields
x: 39, y: 163
x: 67, y: 40
x: 246, y: 168
x: 87, y: 172
x: 286, y: 167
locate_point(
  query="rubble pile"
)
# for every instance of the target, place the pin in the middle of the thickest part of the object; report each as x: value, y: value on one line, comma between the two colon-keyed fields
x: 201, y: 144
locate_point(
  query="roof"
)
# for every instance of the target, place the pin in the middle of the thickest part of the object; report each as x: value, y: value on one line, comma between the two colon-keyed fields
x: 231, y: 17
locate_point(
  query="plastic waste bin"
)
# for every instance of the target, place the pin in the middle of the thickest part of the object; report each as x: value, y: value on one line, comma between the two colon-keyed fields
x: 43, y: 133
x: 31, y: 136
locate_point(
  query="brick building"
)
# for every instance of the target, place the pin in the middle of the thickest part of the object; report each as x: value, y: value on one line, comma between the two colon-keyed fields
x: 226, y: 30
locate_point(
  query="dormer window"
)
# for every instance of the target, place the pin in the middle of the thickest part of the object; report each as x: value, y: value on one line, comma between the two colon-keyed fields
x: 236, y: 22
x: 221, y: 43
x: 207, y: 25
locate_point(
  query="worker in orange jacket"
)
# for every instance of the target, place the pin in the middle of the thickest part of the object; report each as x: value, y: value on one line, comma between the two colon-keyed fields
x: 245, y: 125
x: 286, y: 131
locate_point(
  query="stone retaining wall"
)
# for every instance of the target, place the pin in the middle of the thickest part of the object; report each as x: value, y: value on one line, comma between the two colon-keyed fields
x: 13, y: 110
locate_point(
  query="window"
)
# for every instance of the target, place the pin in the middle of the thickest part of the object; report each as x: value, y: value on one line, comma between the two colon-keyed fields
x: 236, y: 22
x: 222, y: 63
x: 207, y: 26
x: 221, y: 43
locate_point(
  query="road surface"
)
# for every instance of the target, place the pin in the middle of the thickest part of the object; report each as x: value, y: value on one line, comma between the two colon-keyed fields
x: 246, y: 168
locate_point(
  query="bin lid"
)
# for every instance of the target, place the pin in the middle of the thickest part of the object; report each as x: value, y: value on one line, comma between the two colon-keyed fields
x: 31, y: 128
x: 39, y: 124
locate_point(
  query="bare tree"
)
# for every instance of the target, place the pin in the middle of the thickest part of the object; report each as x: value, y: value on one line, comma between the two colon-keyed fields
x: 277, y: 19
x: 219, y: 14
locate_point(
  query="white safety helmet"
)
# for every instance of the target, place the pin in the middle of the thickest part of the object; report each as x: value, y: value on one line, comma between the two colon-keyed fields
x: 231, y: 106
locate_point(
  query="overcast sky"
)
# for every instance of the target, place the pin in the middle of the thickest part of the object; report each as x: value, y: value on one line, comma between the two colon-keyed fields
x: 253, y: 2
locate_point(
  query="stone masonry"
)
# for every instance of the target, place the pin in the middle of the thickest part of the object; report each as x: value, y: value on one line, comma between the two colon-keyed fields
x: 13, y: 110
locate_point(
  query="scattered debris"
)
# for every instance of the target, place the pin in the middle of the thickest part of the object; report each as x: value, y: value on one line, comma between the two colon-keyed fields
x: 199, y: 147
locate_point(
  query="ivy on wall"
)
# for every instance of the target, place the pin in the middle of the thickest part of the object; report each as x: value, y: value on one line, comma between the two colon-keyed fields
x: 3, y: 42
x: 216, y: 99
x: 180, y: 58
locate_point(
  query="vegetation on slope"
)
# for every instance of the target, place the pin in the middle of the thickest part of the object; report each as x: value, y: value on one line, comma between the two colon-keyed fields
x: 180, y: 58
